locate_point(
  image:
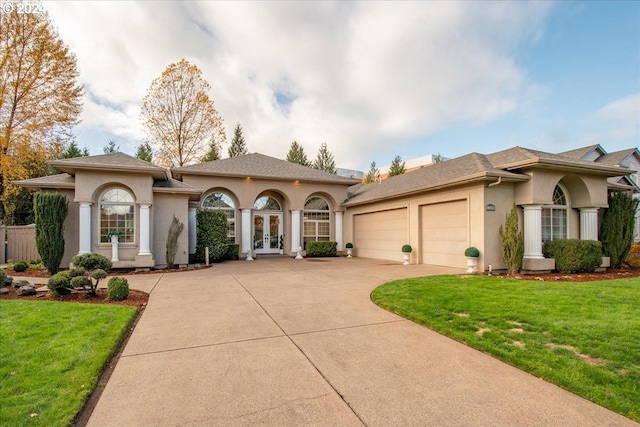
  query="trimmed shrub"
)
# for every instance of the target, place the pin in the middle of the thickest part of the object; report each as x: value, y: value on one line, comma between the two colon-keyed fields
x: 349, y: 245
x: 20, y: 266
x: 50, y: 210
x: 75, y: 272
x: 233, y: 251
x: 616, y: 230
x: 407, y: 249
x: 3, y: 277
x: 633, y: 259
x: 59, y: 284
x: 91, y: 261
x: 175, y: 229
x: 322, y: 249
x: 118, y: 288
x: 472, y: 252
x: 574, y: 256
x: 211, y: 231
x: 81, y: 282
x: 512, y: 242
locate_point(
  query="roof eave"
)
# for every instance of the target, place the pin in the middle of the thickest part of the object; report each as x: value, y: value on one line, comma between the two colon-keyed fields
x: 593, y: 167
x: 71, y: 169
x: 346, y: 181
x: 54, y: 185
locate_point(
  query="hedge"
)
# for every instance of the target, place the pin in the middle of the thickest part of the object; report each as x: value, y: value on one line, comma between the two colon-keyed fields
x: 321, y: 249
x: 211, y: 232
x: 574, y: 256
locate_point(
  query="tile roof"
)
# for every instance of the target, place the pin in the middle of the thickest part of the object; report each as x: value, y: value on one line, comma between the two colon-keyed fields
x: 470, y: 167
x: 257, y: 165
x: 614, y: 159
x: 579, y: 153
x: 62, y: 180
x: 115, y: 162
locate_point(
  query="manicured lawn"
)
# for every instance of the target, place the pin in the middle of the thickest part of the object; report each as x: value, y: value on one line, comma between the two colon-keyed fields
x: 51, y: 356
x: 584, y: 337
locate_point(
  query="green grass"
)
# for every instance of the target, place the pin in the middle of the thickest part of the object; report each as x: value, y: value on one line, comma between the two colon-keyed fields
x: 562, y: 325
x: 51, y: 356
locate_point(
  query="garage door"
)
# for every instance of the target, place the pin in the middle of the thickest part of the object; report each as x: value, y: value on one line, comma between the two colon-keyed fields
x: 381, y: 234
x: 444, y: 233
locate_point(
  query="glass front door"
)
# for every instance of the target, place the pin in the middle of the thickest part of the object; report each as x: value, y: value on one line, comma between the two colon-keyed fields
x: 267, y: 229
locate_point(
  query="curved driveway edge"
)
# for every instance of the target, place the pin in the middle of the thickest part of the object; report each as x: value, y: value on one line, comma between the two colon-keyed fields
x: 285, y: 342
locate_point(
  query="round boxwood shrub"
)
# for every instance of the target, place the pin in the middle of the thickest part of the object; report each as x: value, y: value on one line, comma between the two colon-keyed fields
x: 59, y: 284
x: 80, y: 282
x: 20, y: 266
x: 407, y: 249
x: 91, y: 261
x: 472, y: 252
x: 574, y: 255
x: 349, y: 245
x: 117, y: 288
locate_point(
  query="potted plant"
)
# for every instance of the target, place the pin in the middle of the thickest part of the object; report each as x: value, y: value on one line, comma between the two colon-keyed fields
x: 472, y: 255
x: 115, y: 238
x: 349, y: 247
x: 406, y: 250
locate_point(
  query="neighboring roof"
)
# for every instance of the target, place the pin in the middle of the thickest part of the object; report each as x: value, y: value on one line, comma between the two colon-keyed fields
x: 110, y: 162
x: 518, y: 158
x: 616, y: 158
x: 472, y: 167
x: 579, y: 153
x: 257, y: 165
x: 62, y: 180
x: 174, y: 186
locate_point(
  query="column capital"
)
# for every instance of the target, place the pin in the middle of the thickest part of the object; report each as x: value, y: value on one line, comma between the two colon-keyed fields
x: 144, y: 205
x: 85, y: 204
x: 588, y: 210
x: 532, y: 207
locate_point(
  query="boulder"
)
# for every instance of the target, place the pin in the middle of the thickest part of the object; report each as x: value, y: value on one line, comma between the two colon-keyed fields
x: 8, y: 281
x: 26, y: 291
x: 4, y: 291
x: 20, y: 283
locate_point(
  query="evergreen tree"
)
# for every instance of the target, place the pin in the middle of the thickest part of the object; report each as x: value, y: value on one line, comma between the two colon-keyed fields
x: 438, y: 158
x: 512, y: 242
x: 238, y: 146
x: 373, y: 175
x: 616, y: 230
x: 397, y: 167
x: 144, y: 152
x: 296, y: 155
x: 50, y: 211
x: 73, y: 150
x: 324, y: 160
x: 212, y: 154
x: 111, y: 148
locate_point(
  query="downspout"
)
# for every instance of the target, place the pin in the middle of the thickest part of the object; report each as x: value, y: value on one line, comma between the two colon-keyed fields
x: 498, y: 182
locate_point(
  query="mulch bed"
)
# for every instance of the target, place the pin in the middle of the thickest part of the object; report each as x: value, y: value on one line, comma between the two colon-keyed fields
x: 610, y: 274
x: 136, y: 298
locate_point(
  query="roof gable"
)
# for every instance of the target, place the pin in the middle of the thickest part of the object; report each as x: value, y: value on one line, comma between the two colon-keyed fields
x: 109, y: 162
x: 618, y: 158
x: 591, y: 152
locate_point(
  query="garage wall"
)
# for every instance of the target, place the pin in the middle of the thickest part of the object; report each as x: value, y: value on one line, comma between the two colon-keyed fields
x: 381, y: 234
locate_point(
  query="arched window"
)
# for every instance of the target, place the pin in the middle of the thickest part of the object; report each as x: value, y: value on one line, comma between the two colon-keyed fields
x: 222, y: 201
x: 554, y: 217
x: 316, y: 220
x: 117, y: 215
x: 266, y: 203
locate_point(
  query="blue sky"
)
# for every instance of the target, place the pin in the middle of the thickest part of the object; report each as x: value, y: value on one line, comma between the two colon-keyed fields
x: 371, y: 79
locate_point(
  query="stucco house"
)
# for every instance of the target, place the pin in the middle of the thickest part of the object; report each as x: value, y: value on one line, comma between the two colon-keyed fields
x: 274, y: 206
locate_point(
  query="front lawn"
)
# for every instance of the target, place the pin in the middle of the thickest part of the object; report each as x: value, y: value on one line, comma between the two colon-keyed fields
x: 51, y: 356
x: 584, y: 337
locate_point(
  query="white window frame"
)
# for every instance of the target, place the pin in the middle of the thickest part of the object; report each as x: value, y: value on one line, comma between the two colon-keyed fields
x: 120, y: 198
x: 553, y: 210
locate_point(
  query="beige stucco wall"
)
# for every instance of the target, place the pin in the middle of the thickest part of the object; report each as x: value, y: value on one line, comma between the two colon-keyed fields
x: 165, y: 206
x: 586, y: 190
x: 70, y: 229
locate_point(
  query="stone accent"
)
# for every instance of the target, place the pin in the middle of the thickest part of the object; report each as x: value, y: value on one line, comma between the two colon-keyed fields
x: 4, y: 291
x: 21, y: 283
x: 26, y: 291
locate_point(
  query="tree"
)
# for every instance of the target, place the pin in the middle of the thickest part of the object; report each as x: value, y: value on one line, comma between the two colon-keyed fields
x: 512, y: 242
x: 180, y: 118
x: 175, y: 229
x: 397, y: 167
x: 238, y: 146
x: 324, y: 160
x: 616, y: 230
x: 40, y: 101
x: 373, y: 175
x: 72, y: 150
x: 438, y: 158
x: 144, y: 152
x: 297, y: 155
x: 212, y: 154
x: 111, y: 147
x: 50, y: 212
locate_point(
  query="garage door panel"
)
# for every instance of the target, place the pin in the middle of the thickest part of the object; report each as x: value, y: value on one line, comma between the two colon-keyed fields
x: 381, y: 234
x: 444, y: 233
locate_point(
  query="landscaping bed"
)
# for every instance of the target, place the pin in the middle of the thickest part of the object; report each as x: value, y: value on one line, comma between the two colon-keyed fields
x: 136, y: 298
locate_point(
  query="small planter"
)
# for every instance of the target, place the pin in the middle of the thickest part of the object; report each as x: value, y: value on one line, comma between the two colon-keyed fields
x: 472, y: 255
x: 114, y: 248
x: 349, y: 247
x: 406, y: 251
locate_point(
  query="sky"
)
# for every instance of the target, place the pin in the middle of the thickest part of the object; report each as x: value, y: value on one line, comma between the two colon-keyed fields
x: 371, y: 79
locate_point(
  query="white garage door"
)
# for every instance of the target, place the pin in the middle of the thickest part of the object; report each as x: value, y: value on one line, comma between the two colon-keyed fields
x: 381, y: 234
x: 444, y: 233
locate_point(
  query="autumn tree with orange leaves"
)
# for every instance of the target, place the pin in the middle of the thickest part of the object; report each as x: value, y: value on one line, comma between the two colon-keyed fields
x: 179, y: 116
x: 40, y: 101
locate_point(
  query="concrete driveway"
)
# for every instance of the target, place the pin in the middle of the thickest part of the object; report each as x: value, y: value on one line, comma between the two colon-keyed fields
x: 285, y: 342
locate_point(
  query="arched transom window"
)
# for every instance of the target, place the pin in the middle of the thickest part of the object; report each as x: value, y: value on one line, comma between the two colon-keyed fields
x: 222, y: 201
x: 266, y: 203
x: 117, y: 215
x: 317, y: 217
x: 554, y: 217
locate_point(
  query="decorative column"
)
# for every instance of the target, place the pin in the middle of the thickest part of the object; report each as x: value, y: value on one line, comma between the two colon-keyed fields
x: 145, y: 225
x: 295, y: 230
x: 246, y: 230
x: 192, y: 230
x: 533, y: 231
x: 338, y: 216
x: 84, y: 228
x: 589, y: 223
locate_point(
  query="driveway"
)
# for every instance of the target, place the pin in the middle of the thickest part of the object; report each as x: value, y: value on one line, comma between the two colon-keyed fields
x: 287, y: 342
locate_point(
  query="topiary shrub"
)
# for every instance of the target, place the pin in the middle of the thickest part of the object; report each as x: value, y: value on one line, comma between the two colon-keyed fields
x: 211, y: 230
x: 349, y: 245
x: 322, y: 249
x: 471, y: 252
x: 118, y: 288
x: 95, y: 266
x: 633, y: 259
x: 574, y: 256
x: 80, y: 282
x: 59, y: 284
x: 20, y: 266
x: 407, y: 249
x: 50, y: 210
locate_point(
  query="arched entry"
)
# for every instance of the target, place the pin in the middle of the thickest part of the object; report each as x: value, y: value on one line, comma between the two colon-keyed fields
x: 267, y: 226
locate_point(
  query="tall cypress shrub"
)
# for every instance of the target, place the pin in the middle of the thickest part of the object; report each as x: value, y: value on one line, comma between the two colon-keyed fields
x: 50, y: 210
x: 211, y: 232
x: 616, y: 230
x: 512, y: 242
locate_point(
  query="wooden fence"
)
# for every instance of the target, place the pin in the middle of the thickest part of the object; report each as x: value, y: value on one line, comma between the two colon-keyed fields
x: 20, y: 243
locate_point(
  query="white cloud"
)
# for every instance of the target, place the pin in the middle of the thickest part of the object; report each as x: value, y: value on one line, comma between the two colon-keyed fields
x: 360, y: 76
x: 618, y: 124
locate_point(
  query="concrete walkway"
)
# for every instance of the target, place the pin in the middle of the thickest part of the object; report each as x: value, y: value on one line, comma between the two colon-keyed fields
x: 284, y: 342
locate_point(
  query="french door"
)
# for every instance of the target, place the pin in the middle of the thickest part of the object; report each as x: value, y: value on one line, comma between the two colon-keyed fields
x: 267, y: 230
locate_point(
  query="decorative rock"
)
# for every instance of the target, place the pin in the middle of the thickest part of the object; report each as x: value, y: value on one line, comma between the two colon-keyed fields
x: 21, y: 283
x: 8, y: 281
x: 26, y: 291
x: 4, y: 291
